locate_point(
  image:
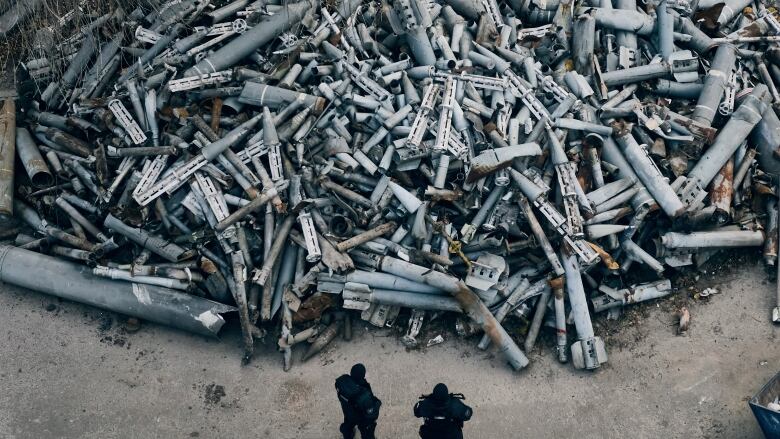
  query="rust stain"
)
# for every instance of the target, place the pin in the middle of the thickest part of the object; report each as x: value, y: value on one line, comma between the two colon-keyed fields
x: 698, y: 130
x: 556, y: 284
x: 73, y: 144
x: 751, y: 30
x: 770, y: 248
x: 443, y: 194
x: 478, y: 171
x: 208, y: 266
x: 606, y: 258
x: 216, y: 114
x: 476, y: 310
x: 722, y: 189
x: 319, y: 106
x: 709, y: 17
x: 312, y: 308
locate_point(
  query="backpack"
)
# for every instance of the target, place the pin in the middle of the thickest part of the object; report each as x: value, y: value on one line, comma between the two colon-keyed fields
x: 367, y: 405
x: 453, y: 410
x: 358, y: 397
x: 458, y: 410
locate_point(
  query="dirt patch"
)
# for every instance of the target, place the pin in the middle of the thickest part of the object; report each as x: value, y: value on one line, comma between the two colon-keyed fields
x: 106, y: 321
x: 213, y: 394
x: 626, y: 331
x: 116, y: 340
x: 103, y: 320
x: 294, y: 393
x: 108, y: 333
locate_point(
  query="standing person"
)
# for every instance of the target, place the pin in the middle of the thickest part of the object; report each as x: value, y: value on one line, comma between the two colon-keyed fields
x: 444, y: 414
x: 360, y: 406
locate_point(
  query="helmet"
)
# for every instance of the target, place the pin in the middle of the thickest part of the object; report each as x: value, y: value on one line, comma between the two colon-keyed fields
x: 358, y: 372
x: 440, y: 393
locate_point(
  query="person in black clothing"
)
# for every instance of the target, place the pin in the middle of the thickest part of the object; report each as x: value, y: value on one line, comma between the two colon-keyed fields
x: 444, y: 414
x: 360, y: 406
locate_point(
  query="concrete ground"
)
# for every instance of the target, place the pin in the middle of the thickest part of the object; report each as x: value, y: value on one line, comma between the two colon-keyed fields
x: 69, y: 371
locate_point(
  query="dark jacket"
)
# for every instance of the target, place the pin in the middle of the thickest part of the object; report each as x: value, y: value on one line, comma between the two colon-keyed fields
x: 443, y: 419
x: 346, y: 389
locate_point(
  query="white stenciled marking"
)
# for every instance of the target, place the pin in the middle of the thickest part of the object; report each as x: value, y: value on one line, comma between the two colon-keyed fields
x: 142, y: 294
x: 209, y: 319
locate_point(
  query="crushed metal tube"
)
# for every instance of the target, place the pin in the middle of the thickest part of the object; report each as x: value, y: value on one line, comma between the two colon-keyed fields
x: 309, y: 163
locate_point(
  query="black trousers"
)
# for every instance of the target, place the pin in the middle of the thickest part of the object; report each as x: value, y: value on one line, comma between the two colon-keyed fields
x: 348, y: 429
x: 428, y: 431
x: 352, y: 420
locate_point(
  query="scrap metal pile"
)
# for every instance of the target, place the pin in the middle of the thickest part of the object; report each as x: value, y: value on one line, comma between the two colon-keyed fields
x: 310, y: 163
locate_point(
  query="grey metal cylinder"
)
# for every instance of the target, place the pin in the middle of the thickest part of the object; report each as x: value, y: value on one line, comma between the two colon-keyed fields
x: 260, y: 35
x: 673, y: 89
x: 700, y: 42
x: 263, y: 95
x: 715, y: 84
x: 528, y: 187
x: 635, y: 74
x: 715, y: 239
x: 576, y: 124
x: 385, y: 281
x: 766, y: 137
x: 70, y: 281
x: 624, y: 20
x: 227, y: 11
x: 732, y: 134
x: 536, y: 322
x: 237, y: 134
x: 637, y: 253
x: 649, y: 174
x: 7, y: 160
x: 418, y: 41
x: 577, y: 298
x: 730, y: 10
x: 583, y: 41
x: 635, y: 294
x: 625, y: 38
x: 155, y: 244
x: 428, y: 302
x: 32, y: 160
x: 469, y: 302
x: 664, y: 29
x: 611, y: 153
x: 468, y: 8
